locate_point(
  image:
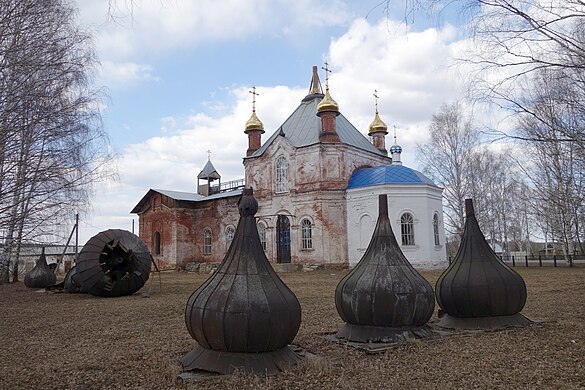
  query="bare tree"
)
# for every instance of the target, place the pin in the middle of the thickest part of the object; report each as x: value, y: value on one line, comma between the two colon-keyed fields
x: 558, y: 165
x: 52, y: 147
x: 447, y: 160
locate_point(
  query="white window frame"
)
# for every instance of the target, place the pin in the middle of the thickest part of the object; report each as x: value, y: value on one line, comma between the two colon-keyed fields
x: 281, y: 174
x: 436, y: 229
x: 306, y: 234
x: 407, y: 229
x: 229, y: 236
x: 207, y: 236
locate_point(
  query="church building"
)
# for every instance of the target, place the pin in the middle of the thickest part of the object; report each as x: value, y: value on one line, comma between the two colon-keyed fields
x: 317, y: 180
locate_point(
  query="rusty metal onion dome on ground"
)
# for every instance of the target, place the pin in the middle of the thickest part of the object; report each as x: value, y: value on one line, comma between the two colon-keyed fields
x: 243, y: 316
x: 113, y: 263
x: 41, y: 276
x: 383, y: 292
x: 478, y: 284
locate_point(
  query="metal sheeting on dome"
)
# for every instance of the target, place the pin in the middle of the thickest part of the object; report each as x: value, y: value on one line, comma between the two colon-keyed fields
x: 477, y: 285
x: 113, y: 263
x: 243, y: 316
x: 41, y: 276
x: 383, y: 295
x: 387, y: 174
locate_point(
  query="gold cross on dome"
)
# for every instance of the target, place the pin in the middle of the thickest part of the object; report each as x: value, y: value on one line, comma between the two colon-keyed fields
x: 254, y: 94
x: 327, y: 71
x: 376, y: 99
x: 208, y: 155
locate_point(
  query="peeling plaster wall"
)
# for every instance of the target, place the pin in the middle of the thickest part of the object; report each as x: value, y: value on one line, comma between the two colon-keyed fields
x: 181, y: 227
x: 422, y: 201
x: 318, y: 175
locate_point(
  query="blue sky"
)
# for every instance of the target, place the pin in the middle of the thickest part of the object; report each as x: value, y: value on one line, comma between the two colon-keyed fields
x: 177, y: 74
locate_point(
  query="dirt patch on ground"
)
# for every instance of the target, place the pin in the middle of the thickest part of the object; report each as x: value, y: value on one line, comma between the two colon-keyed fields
x: 77, y: 341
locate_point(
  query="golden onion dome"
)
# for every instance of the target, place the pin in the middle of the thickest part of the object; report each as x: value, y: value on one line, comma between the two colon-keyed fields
x: 254, y: 124
x: 378, y: 126
x: 327, y: 103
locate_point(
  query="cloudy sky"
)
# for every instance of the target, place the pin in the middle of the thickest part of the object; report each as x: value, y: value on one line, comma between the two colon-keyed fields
x: 177, y: 74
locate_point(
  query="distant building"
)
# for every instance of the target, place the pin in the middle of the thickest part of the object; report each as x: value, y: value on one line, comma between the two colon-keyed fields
x: 317, y: 180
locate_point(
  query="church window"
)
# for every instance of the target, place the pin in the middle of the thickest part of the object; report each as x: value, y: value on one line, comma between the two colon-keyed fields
x: 306, y: 234
x: 229, y: 236
x: 281, y: 174
x: 407, y: 229
x: 436, y: 228
x: 157, y: 250
x: 207, y: 242
x: 262, y: 234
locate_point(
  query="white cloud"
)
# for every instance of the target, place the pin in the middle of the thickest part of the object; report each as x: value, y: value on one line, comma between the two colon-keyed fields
x: 122, y: 74
x: 410, y: 71
x: 141, y: 27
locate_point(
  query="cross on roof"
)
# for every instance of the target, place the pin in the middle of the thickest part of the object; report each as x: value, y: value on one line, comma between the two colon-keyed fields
x: 376, y: 99
x: 254, y: 94
x: 208, y: 155
x: 395, y: 135
x: 327, y: 71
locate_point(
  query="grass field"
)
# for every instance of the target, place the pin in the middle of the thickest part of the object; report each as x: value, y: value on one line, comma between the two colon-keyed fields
x: 77, y: 341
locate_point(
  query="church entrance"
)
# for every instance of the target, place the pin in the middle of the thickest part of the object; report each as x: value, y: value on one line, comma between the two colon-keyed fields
x: 283, y: 239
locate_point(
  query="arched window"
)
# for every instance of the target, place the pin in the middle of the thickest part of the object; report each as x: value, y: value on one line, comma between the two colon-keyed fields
x: 262, y: 234
x: 207, y: 242
x: 365, y: 230
x: 157, y: 250
x: 407, y: 229
x: 436, y: 228
x: 229, y: 236
x: 281, y: 174
x: 306, y: 234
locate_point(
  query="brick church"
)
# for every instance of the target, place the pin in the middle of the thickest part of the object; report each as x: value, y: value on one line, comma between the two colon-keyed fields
x: 317, y: 180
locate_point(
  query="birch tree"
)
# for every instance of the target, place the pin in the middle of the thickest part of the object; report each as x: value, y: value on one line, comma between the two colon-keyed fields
x: 52, y: 147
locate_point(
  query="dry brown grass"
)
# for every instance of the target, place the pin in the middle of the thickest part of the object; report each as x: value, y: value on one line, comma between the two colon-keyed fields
x: 63, y: 341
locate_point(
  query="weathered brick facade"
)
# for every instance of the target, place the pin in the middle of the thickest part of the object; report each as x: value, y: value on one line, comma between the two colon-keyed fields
x: 181, y: 225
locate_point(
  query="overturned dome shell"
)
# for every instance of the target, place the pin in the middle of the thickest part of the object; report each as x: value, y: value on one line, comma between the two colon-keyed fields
x: 113, y: 263
x: 243, y: 308
x: 384, y: 290
x: 71, y: 283
x: 477, y: 283
x: 41, y: 276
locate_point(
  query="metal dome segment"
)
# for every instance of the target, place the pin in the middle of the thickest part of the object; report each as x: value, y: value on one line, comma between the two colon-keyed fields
x: 41, y: 276
x: 478, y: 290
x: 383, y: 299
x: 243, y: 316
x: 113, y: 263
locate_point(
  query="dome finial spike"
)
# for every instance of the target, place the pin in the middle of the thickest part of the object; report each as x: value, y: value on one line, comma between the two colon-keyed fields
x: 327, y: 71
x: 254, y: 94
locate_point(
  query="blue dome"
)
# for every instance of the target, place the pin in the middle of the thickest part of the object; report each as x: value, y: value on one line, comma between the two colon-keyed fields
x: 387, y: 174
x: 395, y: 149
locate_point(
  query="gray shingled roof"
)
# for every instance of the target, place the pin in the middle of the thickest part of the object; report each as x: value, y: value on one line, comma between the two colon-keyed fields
x: 184, y: 196
x: 208, y: 172
x: 303, y: 126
